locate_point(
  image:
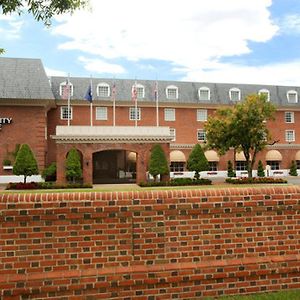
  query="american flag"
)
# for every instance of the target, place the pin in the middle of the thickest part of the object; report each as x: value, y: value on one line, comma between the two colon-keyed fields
x: 66, y: 90
x: 134, y: 93
x: 114, y: 91
x: 156, y: 91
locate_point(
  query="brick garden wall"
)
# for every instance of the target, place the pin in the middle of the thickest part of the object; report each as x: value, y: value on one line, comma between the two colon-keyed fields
x: 149, y: 245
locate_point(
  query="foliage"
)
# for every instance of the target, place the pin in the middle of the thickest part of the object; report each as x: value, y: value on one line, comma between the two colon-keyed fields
x: 6, y: 162
x: 10, y: 157
x: 44, y: 186
x: 242, y: 126
x: 25, y: 163
x: 49, y: 173
x: 230, y: 171
x: 158, y: 164
x: 249, y: 180
x: 260, y: 169
x: 197, y: 161
x: 73, y: 166
x: 293, y: 169
x: 178, y: 182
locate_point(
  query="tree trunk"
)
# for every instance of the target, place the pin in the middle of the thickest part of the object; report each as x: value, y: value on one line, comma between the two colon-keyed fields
x: 25, y: 178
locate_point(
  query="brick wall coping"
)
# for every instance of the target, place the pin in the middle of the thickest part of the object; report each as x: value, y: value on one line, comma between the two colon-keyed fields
x: 16, y: 197
x: 147, y: 269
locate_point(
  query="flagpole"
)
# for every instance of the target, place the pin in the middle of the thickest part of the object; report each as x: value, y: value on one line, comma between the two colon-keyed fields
x: 69, y: 98
x: 91, y: 102
x: 156, y: 96
x: 135, y: 108
x: 114, y: 104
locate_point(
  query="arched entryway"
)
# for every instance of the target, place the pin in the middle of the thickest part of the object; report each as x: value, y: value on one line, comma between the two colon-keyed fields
x: 114, y: 166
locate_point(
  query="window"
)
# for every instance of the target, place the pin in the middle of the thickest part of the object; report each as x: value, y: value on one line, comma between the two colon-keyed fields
x: 204, y: 94
x: 173, y: 134
x: 140, y: 91
x: 65, y: 113
x: 212, y: 166
x: 265, y: 93
x: 235, y: 94
x: 201, y: 135
x: 169, y: 114
x: 292, y: 96
x: 289, y: 117
x: 290, y: 135
x: 65, y: 90
x: 298, y: 164
x: 101, y: 113
x: 134, y: 114
x: 177, y: 166
x: 201, y: 115
x: 172, y: 92
x: 241, y: 165
x: 103, y: 90
x: 274, y: 164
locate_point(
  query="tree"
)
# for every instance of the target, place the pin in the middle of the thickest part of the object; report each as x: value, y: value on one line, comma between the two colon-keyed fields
x: 230, y: 170
x: 197, y: 161
x: 25, y: 163
x: 242, y: 127
x: 73, y: 166
x: 293, y: 169
x: 260, y: 169
x: 158, y: 164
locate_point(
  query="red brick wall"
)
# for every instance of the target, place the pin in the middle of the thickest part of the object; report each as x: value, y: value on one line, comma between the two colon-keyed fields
x: 28, y: 126
x: 149, y: 245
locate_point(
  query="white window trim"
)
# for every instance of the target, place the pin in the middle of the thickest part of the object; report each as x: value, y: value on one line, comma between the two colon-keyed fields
x: 61, y: 88
x: 292, y: 92
x: 204, y: 88
x: 97, y: 109
x: 61, y: 112
x: 201, y: 141
x: 103, y: 84
x: 139, y: 113
x: 140, y: 86
x: 265, y: 91
x: 198, y: 113
x: 286, y: 136
x: 173, y: 87
x: 174, y: 134
x: 292, y: 117
x: 165, y: 114
x: 235, y: 90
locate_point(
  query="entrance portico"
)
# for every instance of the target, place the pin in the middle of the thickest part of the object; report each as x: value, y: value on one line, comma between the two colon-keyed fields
x: 93, y: 139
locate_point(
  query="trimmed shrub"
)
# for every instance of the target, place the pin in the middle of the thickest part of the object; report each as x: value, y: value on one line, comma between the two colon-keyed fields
x: 246, y: 180
x: 293, y: 169
x: 49, y: 174
x: 260, y: 169
x: 177, y: 182
x: 197, y: 161
x: 230, y: 171
x: 73, y: 166
x: 158, y: 164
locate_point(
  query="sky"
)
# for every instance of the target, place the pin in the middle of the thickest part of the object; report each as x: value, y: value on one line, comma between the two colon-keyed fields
x: 225, y: 41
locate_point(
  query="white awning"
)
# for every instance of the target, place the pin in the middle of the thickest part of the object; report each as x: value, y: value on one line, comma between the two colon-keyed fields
x: 239, y: 156
x: 273, y: 155
x: 177, y: 156
x: 212, y: 155
x: 297, y: 156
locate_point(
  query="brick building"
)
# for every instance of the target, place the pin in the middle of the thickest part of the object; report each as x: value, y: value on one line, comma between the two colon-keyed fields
x: 34, y: 110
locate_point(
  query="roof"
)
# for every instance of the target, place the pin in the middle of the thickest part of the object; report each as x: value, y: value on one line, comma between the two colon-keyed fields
x: 187, y: 91
x: 23, y: 78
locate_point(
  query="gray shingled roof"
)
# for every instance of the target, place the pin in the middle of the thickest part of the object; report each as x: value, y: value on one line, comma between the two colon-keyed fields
x: 187, y: 91
x: 22, y: 78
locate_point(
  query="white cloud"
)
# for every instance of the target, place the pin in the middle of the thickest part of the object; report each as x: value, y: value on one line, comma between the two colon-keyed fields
x: 290, y: 24
x: 192, y: 34
x: 100, y: 66
x: 53, y: 72
x: 10, y: 26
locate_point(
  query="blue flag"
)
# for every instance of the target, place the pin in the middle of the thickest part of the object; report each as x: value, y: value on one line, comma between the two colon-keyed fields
x: 89, y: 94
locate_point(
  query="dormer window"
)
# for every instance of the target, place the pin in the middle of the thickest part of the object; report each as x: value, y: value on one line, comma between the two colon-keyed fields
x: 292, y: 96
x: 235, y: 94
x: 172, y: 92
x: 140, y: 91
x: 204, y: 94
x: 265, y: 93
x: 66, y: 90
x: 103, y: 90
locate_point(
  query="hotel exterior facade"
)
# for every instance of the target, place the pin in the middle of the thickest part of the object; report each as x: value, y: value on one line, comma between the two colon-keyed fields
x: 116, y: 146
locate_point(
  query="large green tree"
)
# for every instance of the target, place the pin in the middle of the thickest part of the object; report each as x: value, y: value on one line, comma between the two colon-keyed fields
x: 73, y: 166
x: 42, y: 10
x: 25, y: 163
x: 158, y: 164
x: 242, y: 127
x: 197, y: 161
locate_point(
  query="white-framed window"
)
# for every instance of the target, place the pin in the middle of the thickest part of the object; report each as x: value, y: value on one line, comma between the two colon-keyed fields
x: 140, y: 91
x: 169, y: 114
x: 204, y: 93
x: 265, y: 92
x: 65, y: 113
x: 201, y: 115
x: 290, y: 135
x: 177, y: 166
x: 173, y: 134
x: 235, y: 94
x: 298, y: 164
x: 65, y: 89
x: 201, y: 135
x: 134, y: 114
x: 241, y: 165
x: 172, y: 92
x: 103, y: 90
x: 292, y: 96
x: 101, y: 113
x: 289, y: 117
x: 274, y: 164
x: 212, y: 166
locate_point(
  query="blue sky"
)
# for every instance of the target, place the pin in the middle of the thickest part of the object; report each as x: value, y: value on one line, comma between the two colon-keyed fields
x: 235, y: 41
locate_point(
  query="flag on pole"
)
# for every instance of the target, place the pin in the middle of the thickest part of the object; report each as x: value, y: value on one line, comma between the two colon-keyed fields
x: 89, y: 94
x: 113, y: 93
x: 156, y: 102
x: 134, y: 93
x: 66, y: 90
